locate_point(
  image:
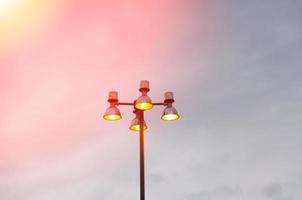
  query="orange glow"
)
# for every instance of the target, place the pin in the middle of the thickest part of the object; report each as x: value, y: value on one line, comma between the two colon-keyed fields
x: 170, y: 117
x: 7, y: 6
x: 136, y: 127
x: 112, y: 117
x: 144, y: 106
x: 53, y: 83
x: 20, y: 19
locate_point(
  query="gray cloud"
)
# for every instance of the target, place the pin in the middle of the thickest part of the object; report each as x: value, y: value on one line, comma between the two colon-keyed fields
x: 224, y: 192
x: 274, y: 191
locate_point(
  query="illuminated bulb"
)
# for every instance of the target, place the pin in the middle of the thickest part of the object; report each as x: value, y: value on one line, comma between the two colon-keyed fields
x: 143, y: 103
x: 170, y: 114
x: 135, y: 125
x: 112, y: 113
x: 112, y: 117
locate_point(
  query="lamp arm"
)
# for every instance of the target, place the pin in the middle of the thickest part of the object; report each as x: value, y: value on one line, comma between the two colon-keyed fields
x: 125, y: 104
x: 132, y: 104
x: 159, y: 104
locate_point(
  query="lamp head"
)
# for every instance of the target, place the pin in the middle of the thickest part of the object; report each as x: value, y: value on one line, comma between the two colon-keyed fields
x: 144, y: 102
x: 112, y: 113
x: 170, y: 114
x: 113, y: 97
x: 135, y: 125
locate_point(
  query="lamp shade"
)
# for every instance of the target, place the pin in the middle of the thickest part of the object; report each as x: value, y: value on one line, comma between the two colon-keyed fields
x: 135, y: 126
x: 144, y: 102
x: 170, y: 114
x: 112, y: 113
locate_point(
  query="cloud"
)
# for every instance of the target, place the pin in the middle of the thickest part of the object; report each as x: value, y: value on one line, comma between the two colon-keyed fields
x: 156, y: 178
x: 224, y: 192
x: 274, y: 191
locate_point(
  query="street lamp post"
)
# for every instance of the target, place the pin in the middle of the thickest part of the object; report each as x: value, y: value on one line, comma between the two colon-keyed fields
x: 140, y: 105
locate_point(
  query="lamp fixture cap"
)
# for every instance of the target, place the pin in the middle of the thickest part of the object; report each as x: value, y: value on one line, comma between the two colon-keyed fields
x: 144, y: 86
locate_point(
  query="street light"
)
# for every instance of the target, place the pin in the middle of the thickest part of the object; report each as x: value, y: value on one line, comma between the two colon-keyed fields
x: 140, y: 105
x: 144, y: 102
x: 112, y: 113
x: 135, y: 126
x: 169, y: 113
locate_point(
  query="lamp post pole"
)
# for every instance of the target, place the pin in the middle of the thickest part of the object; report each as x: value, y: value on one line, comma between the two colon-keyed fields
x: 142, y: 154
x: 142, y: 104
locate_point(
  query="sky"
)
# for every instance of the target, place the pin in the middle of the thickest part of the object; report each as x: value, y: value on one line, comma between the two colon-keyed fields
x: 235, y: 70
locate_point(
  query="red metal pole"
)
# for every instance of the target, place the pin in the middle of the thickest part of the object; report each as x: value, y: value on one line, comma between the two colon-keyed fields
x: 142, y: 157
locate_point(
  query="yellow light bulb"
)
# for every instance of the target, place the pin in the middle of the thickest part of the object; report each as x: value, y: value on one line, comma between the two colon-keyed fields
x: 112, y: 117
x: 136, y: 127
x: 144, y: 106
x: 170, y: 117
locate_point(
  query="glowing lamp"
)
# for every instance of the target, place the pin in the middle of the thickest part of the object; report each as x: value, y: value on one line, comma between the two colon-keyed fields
x: 112, y: 114
x: 170, y: 114
x: 138, y: 124
x: 143, y: 103
x: 135, y: 126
